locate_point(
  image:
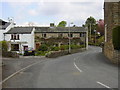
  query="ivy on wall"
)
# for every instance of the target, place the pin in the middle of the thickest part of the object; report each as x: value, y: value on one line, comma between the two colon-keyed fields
x: 116, y: 38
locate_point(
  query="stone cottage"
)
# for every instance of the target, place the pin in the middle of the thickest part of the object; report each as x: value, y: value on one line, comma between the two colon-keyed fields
x: 112, y: 19
x: 60, y: 36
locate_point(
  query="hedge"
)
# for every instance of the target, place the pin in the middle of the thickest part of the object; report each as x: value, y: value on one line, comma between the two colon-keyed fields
x: 116, y: 38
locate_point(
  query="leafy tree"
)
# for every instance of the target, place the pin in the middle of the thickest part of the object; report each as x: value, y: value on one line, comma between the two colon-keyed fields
x: 62, y: 24
x: 91, y: 21
x: 100, y: 26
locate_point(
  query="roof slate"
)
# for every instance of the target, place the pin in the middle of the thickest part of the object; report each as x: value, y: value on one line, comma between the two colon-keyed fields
x: 58, y: 29
x: 3, y: 24
x: 28, y: 30
x: 20, y: 30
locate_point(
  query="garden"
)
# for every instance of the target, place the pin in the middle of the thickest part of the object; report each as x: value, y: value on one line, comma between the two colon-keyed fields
x: 44, y: 48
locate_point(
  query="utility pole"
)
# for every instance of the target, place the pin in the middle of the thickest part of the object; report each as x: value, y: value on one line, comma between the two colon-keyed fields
x: 90, y: 31
x: 87, y: 39
x: 95, y: 37
x: 69, y: 39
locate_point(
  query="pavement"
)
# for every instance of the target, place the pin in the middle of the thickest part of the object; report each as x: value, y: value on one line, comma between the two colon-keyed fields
x: 89, y: 69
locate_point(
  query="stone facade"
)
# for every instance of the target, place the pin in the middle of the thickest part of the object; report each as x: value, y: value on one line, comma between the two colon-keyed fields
x: 112, y: 19
x: 60, y: 36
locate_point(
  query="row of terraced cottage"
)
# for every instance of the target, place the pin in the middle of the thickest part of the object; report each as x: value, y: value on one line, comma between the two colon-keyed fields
x: 20, y: 38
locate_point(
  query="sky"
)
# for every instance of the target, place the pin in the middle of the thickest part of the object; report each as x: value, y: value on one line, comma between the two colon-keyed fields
x: 44, y: 12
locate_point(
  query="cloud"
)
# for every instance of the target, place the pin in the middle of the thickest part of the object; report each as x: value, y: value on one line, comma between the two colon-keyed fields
x: 33, y: 12
x: 44, y: 11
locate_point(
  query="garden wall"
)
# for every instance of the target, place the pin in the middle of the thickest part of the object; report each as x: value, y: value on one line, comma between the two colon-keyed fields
x: 54, y: 54
x: 111, y: 54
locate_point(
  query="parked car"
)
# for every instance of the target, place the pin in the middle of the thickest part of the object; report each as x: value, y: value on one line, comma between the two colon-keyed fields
x: 29, y: 51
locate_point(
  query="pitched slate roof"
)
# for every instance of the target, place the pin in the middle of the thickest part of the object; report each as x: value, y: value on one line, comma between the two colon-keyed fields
x: 3, y: 24
x: 20, y: 30
x: 59, y: 29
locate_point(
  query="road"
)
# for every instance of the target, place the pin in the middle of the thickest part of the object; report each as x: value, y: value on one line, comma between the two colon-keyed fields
x: 89, y: 69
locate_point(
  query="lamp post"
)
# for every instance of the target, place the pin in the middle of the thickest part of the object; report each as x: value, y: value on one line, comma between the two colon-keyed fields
x: 90, y: 31
x: 86, y: 38
x: 69, y: 39
x: 95, y: 37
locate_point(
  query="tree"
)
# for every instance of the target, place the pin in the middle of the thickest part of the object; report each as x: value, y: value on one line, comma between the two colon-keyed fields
x: 100, y: 26
x: 62, y: 24
x: 91, y: 21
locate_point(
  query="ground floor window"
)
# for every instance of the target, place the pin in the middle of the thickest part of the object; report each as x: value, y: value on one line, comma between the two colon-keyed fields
x: 14, y: 47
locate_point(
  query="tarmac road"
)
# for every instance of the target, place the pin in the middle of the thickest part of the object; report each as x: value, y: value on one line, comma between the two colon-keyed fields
x: 89, y: 69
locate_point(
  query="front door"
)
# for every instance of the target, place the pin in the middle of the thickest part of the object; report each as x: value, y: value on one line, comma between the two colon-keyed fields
x: 25, y: 48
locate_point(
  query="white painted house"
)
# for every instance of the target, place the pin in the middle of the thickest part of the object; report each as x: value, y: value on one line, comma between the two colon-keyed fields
x: 20, y: 38
x: 5, y: 27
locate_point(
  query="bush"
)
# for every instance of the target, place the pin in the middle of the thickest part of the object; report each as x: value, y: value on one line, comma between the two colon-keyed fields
x: 41, y: 53
x: 64, y: 47
x: 3, y: 46
x: 43, y: 47
x: 116, y: 37
x: 54, y: 48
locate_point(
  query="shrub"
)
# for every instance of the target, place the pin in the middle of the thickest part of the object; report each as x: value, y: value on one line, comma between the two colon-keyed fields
x: 116, y: 37
x: 54, y: 48
x: 41, y: 53
x: 64, y: 47
x: 3, y: 46
x: 43, y: 47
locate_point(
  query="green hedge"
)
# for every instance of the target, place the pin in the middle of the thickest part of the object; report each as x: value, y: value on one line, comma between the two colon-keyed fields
x: 116, y: 37
x: 54, y: 48
x: 41, y: 53
x: 43, y: 47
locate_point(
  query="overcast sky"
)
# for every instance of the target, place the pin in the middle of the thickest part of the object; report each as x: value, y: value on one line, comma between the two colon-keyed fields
x: 43, y: 12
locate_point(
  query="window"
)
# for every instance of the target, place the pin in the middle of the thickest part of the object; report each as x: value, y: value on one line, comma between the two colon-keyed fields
x: 60, y: 35
x: 44, y: 35
x: 82, y: 34
x: 12, y: 37
x: 15, y: 37
x: 71, y: 35
x: 14, y: 47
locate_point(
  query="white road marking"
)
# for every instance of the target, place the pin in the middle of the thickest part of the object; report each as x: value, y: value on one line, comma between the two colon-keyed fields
x: 17, y: 72
x: 104, y: 85
x: 77, y: 67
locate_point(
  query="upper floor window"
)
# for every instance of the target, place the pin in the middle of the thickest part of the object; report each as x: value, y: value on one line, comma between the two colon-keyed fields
x: 44, y: 35
x: 71, y: 35
x: 15, y: 37
x: 60, y: 35
x: 82, y: 34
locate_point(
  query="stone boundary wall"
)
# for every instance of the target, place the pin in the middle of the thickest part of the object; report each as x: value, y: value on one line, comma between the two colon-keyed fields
x: 10, y: 54
x: 111, y: 54
x: 54, y: 54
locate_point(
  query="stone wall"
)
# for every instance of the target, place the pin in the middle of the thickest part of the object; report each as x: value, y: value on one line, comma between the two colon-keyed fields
x: 111, y: 54
x: 54, y: 54
x: 112, y: 19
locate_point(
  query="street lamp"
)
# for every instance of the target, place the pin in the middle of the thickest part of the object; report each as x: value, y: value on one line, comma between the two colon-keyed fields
x: 95, y: 37
x: 90, y: 31
x: 69, y: 38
